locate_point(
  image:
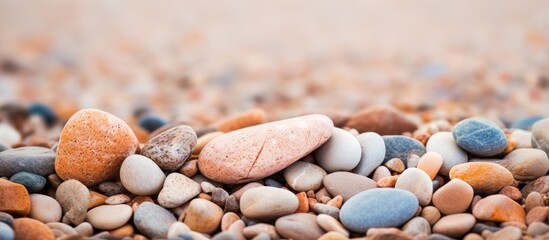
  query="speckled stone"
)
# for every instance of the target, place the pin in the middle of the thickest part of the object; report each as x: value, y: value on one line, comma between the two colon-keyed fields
x: 108, y: 217
x: 45, y: 208
x: 417, y: 182
x: 203, y: 216
x: 540, y: 135
x: 499, y: 208
x: 28, y: 228
x: 382, y: 120
x: 32, y: 182
x: 299, y: 226
x: 170, y: 149
x: 369, y: 209
x: 37, y: 160
x: 455, y: 225
x: 373, y: 153
x: 304, y: 176
x: 401, y: 147
x: 444, y: 144
x: 347, y: 184
x: 479, y: 137
x: 14, y: 198
x: 141, y: 176
x: 92, y: 147
x: 484, y: 177
x: 153, y: 220
x: 177, y: 190
x: 74, y: 198
x: 526, y: 164
x: 454, y: 197
x: 340, y: 153
x: 267, y: 203
x: 255, y: 152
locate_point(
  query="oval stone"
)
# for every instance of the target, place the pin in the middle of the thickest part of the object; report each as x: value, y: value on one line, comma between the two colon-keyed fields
x: 153, y: 220
x: 499, y: 208
x: 402, y: 147
x: 171, y: 148
x: 141, y: 176
x: 32, y: 182
x: 454, y: 197
x: 455, y: 225
x: 430, y: 163
x: 347, y: 184
x: 14, y: 198
x: 37, y: 160
x: 526, y: 164
x: 373, y: 153
x: 6, y: 232
x: 340, y: 153
x: 378, y: 208
x: 177, y: 190
x: 203, y: 216
x: 28, y: 228
x: 444, y: 144
x: 540, y: 135
x: 299, y: 226
x: 45, y: 208
x: 108, y: 217
x: 417, y: 182
x: 484, y: 177
x: 267, y: 202
x: 479, y: 137
x: 92, y: 146
x: 255, y: 152
x: 382, y: 120
x: 304, y: 176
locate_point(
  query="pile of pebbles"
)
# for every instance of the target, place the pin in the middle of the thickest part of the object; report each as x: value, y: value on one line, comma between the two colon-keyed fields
x: 375, y: 174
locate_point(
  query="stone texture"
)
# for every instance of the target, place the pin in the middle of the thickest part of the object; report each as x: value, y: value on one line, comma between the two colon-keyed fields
x: 14, y: 198
x: 341, y: 152
x: 171, y: 148
x: 74, y: 199
x: 267, y: 203
x: 108, y: 217
x: 526, y: 164
x: 37, y: 160
x: 153, y: 220
x: 177, y: 190
x: 484, y: 177
x: 299, y: 226
x: 444, y: 144
x: 203, y: 216
x: 347, y: 184
x: 304, y: 176
x: 141, y: 176
x: 402, y: 147
x: 479, y: 137
x: 417, y: 226
x: 382, y: 120
x: 454, y: 197
x: 499, y: 208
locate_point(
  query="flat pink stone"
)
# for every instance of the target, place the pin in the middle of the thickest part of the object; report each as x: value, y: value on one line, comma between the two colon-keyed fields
x: 256, y: 152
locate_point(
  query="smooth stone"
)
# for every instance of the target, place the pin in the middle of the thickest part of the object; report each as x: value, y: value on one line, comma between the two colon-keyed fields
x: 189, y: 168
x: 526, y: 164
x: 108, y: 217
x: 526, y: 123
x: 540, y: 135
x: 347, y: 184
x: 537, y: 214
x: 444, y: 144
x: 299, y: 226
x: 177, y: 229
x: 499, y: 208
x: 430, y: 163
x: 171, y: 148
x: 455, y: 225
x: 151, y: 122
x: 373, y: 153
x: 329, y: 223
x: 85, y: 229
x: 537, y: 228
x: 237, y: 229
x: 9, y: 134
x: 431, y: 214
x: 32, y: 182
x: 6, y: 233
x: 382, y: 120
x: 417, y: 182
x: 62, y: 227
x: 401, y: 147
x: 4, y: 147
x: 341, y: 152
x: 381, y: 172
x: 118, y: 199
x: 454, y: 197
x: 202, y: 141
x: 153, y: 220
x: 28, y: 228
x: 267, y: 203
x: 256, y: 152
x: 74, y: 197
x: 507, y: 233
x: 14, y: 198
x: 479, y: 137
x: 254, y: 230
x: 111, y: 188
x: 203, y: 216
x: 177, y: 190
x: 395, y: 165
x: 523, y: 138
x: 141, y: 176
x: 417, y: 226
x: 533, y: 199
x: 369, y: 209
x: 37, y: 160
x: 6, y: 218
x: 45, y: 112
x: 540, y: 185
x: 321, y: 208
x: 238, y: 193
x: 45, y: 208
x: 484, y: 177
x: 241, y: 120
x: 304, y: 176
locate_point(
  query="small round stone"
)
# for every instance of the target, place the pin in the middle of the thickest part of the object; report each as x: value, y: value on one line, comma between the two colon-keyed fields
x: 417, y: 182
x: 74, y: 198
x: 267, y: 203
x: 417, y: 226
x: 203, y: 216
x: 373, y: 153
x: 533, y: 199
x: 455, y: 225
x: 479, y: 137
x: 329, y: 223
x: 118, y: 199
x: 45, y: 208
x: 444, y: 144
x: 454, y: 197
x: 340, y: 153
x: 299, y: 226
x: 28, y: 228
x: 9, y: 134
x: 523, y: 138
x: 347, y: 184
x: 499, y: 208
x: 177, y: 190
x: 141, y: 176
x: 431, y: 214
x: 153, y: 220
x: 537, y: 214
x: 37, y: 160
x: 526, y: 164
x: 6, y: 233
x: 430, y: 163
x: 108, y: 217
x: 304, y: 176
x: 14, y: 198
x: 402, y: 147
x: 484, y: 177
x: 171, y: 148
x: 32, y: 182
x: 537, y: 228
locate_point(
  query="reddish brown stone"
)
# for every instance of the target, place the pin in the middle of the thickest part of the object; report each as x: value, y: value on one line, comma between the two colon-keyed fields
x: 382, y: 120
x: 14, y: 198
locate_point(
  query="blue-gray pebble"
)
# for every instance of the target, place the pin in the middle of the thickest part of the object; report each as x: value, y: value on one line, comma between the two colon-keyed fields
x: 526, y: 122
x: 6, y: 233
x: 479, y: 137
x: 4, y: 147
x: 37, y: 160
x: 32, y: 182
x: 378, y: 208
x: 401, y: 147
x: 153, y: 220
x: 45, y: 112
x: 151, y: 122
x: 6, y: 218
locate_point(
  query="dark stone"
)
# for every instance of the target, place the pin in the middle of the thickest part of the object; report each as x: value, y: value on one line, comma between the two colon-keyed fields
x: 37, y: 160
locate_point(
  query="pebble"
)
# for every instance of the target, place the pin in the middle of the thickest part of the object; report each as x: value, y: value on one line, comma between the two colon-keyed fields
x: 333, y: 236
x: 512, y: 192
x: 417, y: 226
x: 6, y: 233
x: 523, y: 138
x: 347, y: 184
x: 96, y: 199
x: 329, y: 223
x: 382, y: 120
x: 14, y: 198
x: 241, y: 120
x: 484, y: 177
x: 151, y: 122
x: 153, y: 220
x: 368, y: 209
x: 537, y: 214
x: 93, y: 134
x: 118, y: 199
x: 189, y: 168
x: 141, y: 176
x: 507, y: 233
x: 203, y: 216
x: 32, y: 182
x: 537, y: 228
x: 238, y: 193
x: 321, y: 208
x: 85, y: 229
x: 254, y: 230
x: 526, y: 123
x: 45, y: 208
x: 455, y: 225
x: 177, y: 229
x: 479, y: 137
x: 540, y: 185
x: 444, y: 144
x: 228, y: 219
x: 8, y: 134
x: 526, y: 164
x: 342, y: 152
x: 255, y: 152
x: 236, y: 230
x: 430, y: 163
x: 303, y: 205
x: 202, y: 141
x: 111, y: 188
x: 44, y: 111
x: 298, y: 226
x: 6, y: 218
x: 74, y: 199
x: 431, y: 214
x: 62, y: 227
x: 177, y: 190
x: 122, y: 232
x: 171, y: 148
x: 219, y: 196
x: 454, y: 197
x: 499, y: 208
x: 108, y: 217
x: 395, y: 165
x: 417, y: 182
x: 373, y: 152
x: 387, y: 182
x: 381, y: 172
x: 37, y: 160
x: 533, y: 199
x: 304, y: 176
x: 267, y: 203
x: 401, y: 147
x: 28, y: 228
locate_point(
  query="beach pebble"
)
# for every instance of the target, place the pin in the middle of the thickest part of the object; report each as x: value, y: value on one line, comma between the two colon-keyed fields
x: 141, y: 176
x: 28, y: 228
x: 189, y: 168
x: 256, y: 152
x: 171, y: 148
x: 381, y: 172
x: 526, y: 123
x: 537, y: 228
x: 32, y: 182
x: 537, y: 214
x: 254, y: 230
x: 373, y: 153
x: 510, y: 232
x: 151, y: 122
x: 9, y: 134
x: 74, y: 198
x: 540, y: 185
x: 304, y: 176
x: 238, y: 193
x: 479, y: 137
x: 111, y: 188
x: 523, y: 138
x: 241, y: 120
x: 45, y: 208
x: 431, y: 214
x: 37, y: 160
x: 395, y: 165
x: 14, y: 198
x: 430, y: 163
x: 108, y: 217
x: 92, y: 146
x: 118, y: 199
x: 178, y: 189
x: 177, y: 229
x: 329, y: 223
x: 85, y: 229
x: 417, y: 226
x: 369, y: 209
x: 526, y: 164
x: 321, y: 208
x: 382, y: 120
x: 96, y: 199
x: 444, y: 144
x: 484, y: 177
x: 153, y: 220
x: 402, y: 147
x: 540, y: 135
x: 203, y: 216
x: 267, y: 203
x: 6, y: 233
x: 455, y: 225
x: 65, y: 229
x: 512, y: 192
x: 340, y: 153
x: 417, y: 182
x: 347, y: 184
x: 454, y: 197
x: 299, y: 226
x: 499, y: 208
x: 533, y: 199
x: 6, y: 218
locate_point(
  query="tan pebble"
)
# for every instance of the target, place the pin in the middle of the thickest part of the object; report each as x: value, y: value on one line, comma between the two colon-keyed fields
x: 337, y: 201
x: 455, y: 225
x: 454, y: 197
x: 207, y: 187
x: 512, y: 192
x: 122, y: 232
x: 254, y: 230
x: 537, y: 229
x: 45, y: 208
x: 117, y: 199
x: 311, y: 194
x: 430, y: 163
x: 96, y: 199
x: 380, y: 173
x: 228, y: 219
x: 321, y: 193
x: 189, y: 168
x: 333, y: 236
x: 499, y: 208
x: 85, y: 229
x: 267, y: 203
x: 236, y: 229
x: 28, y: 228
x: 473, y: 236
x: 238, y: 193
x: 537, y: 214
x: 303, y: 206
x: 205, y: 196
x: 74, y: 199
x: 330, y: 224
x: 431, y: 214
x: 387, y: 182
x: 66, y: 229
x: 395, y: 165
x: 203, y: 216
x: 54, y: 180
x: 241, y: 120
x: 533, y: 200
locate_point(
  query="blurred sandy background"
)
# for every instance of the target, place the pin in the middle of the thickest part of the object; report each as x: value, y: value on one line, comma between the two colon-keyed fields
x: 211, y: 58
